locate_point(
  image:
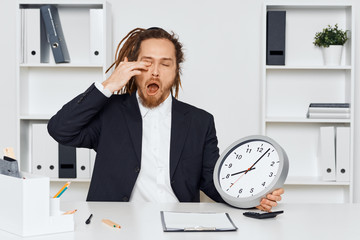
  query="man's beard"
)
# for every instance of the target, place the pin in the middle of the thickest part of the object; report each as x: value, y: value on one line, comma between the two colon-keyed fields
x: 153, y: 101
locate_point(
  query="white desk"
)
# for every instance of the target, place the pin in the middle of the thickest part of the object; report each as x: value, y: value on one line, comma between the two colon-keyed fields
x: 142, y: 221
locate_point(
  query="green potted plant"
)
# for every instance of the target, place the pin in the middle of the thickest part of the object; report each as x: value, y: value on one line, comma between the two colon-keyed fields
x: 331, y: 40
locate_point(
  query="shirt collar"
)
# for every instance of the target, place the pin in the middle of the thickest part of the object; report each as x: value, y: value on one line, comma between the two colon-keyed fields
x: 164, y: 108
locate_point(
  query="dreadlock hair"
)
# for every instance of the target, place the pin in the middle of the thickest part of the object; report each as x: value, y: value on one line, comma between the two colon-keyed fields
x: 131, y: 48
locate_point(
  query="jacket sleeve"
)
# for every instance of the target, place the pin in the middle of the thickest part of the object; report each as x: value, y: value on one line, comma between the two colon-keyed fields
x: 77, y: 123
x: 210, y: 157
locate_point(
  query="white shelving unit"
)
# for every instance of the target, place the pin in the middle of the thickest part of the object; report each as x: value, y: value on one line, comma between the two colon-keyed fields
x: 43, y: 88
x: 288, y: 90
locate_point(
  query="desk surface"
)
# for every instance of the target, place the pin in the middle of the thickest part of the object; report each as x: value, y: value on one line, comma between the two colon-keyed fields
x: 142, y: 221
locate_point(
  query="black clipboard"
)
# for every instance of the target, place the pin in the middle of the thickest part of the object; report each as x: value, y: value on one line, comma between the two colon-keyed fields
x: 196, y: 222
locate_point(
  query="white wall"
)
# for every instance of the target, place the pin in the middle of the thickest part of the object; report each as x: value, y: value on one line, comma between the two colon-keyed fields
x: 222, y: 41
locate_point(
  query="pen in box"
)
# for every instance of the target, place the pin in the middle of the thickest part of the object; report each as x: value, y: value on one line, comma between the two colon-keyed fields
x: 62, y: 190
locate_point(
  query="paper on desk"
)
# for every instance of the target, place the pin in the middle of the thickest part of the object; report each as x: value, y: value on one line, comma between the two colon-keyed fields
x: 187, y: 221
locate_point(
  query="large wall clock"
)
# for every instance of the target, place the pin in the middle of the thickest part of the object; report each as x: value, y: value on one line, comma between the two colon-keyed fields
x: 249, y: 169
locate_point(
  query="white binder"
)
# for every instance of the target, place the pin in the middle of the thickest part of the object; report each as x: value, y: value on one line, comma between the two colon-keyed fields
x: 327, y: 153
x: 92, y: 161
x: 82, y: 163
x: 45, y: 152
x: 31, y: 32
x: 25, y: 207
x: 342, y: 154
x: 96, y: 36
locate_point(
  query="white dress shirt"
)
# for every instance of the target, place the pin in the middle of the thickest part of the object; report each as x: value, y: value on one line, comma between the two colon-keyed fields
x: 153, y: 182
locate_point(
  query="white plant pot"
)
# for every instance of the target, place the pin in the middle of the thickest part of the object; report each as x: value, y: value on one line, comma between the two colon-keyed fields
x: 332, y: 55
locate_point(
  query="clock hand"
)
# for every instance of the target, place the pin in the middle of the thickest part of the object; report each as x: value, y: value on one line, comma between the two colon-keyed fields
x: 257, y: 160
x: 242, y: 171
x: 250, y: 168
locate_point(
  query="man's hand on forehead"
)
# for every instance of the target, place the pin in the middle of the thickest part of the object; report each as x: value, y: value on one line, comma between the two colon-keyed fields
x: 124, y: 72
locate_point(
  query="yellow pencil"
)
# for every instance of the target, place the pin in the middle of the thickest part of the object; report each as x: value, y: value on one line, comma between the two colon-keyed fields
x: 61, y: 190
x: 70, y: 212
x: 111, y: 223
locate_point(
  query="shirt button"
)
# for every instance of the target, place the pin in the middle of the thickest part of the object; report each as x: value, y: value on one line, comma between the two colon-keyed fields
x: 137, y: 169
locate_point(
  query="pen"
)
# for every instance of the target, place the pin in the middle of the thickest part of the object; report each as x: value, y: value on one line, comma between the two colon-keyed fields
x: 89, y: 219
x: 61, y: 191
x: 111, y: 223
x: 70, y: 212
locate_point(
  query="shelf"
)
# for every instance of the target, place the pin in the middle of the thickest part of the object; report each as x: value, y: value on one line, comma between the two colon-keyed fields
x: 299, y: 67
x: 304, y: 120
x: 60, y: 65
x: 35, y: 117
x: 316, y: 181
x: 44, y: 86
x: 84, y: 180
x: 287, y: 91
x: 305, y: 5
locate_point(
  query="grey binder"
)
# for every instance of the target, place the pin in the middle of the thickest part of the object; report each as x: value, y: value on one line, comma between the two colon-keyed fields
x: 275, y: 38
x: 56, y: 39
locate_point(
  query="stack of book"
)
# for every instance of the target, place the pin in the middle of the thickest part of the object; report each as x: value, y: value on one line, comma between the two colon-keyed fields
x: 329, y: 110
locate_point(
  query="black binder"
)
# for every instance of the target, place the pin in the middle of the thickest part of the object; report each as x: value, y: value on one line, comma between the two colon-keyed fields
x: 54, y: 32
x: 67, y: 162
x: 275, y: 38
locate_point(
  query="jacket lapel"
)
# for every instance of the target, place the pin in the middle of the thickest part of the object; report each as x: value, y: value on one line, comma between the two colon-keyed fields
x: 180, y: 123
x: 134, y: 123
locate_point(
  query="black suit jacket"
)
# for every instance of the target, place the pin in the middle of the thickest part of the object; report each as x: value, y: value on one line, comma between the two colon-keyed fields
x: 113, y: 127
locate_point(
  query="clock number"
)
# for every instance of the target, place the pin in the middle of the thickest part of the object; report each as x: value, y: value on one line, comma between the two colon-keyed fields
x: 271, y: 174
x: 251, y: 190
x: 237, y: 156
x: 227, y: 176
x: 263, y: 184
x: 248, y: 150
x: 272, y: 163
x: 270, y: 153
x: 260, y: 149
x: 230, y: 165
x: 240, y: 191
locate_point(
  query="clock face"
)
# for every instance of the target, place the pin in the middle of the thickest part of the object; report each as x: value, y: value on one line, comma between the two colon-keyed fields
x: 248, y: 168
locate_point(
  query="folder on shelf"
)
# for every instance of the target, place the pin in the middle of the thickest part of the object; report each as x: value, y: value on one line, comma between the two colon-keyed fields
x: 67, y: 161
x: 25, y: 207
x: 92, y: 161
x: 275, y: 37
x: 44, y: 44
x: 44, y: 152
x: 96, y: 36
x: 342, y: 154
x: 55, y: 33
x: 82, y: 163
x: 31, y: 31
x: 196, y: 222
x: 327, y: 153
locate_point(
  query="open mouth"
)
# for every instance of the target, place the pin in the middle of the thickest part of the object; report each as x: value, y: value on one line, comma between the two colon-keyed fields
x: 152, y: 89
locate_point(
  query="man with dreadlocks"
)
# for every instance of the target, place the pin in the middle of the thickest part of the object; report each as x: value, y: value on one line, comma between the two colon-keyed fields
x: 150, y: 146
